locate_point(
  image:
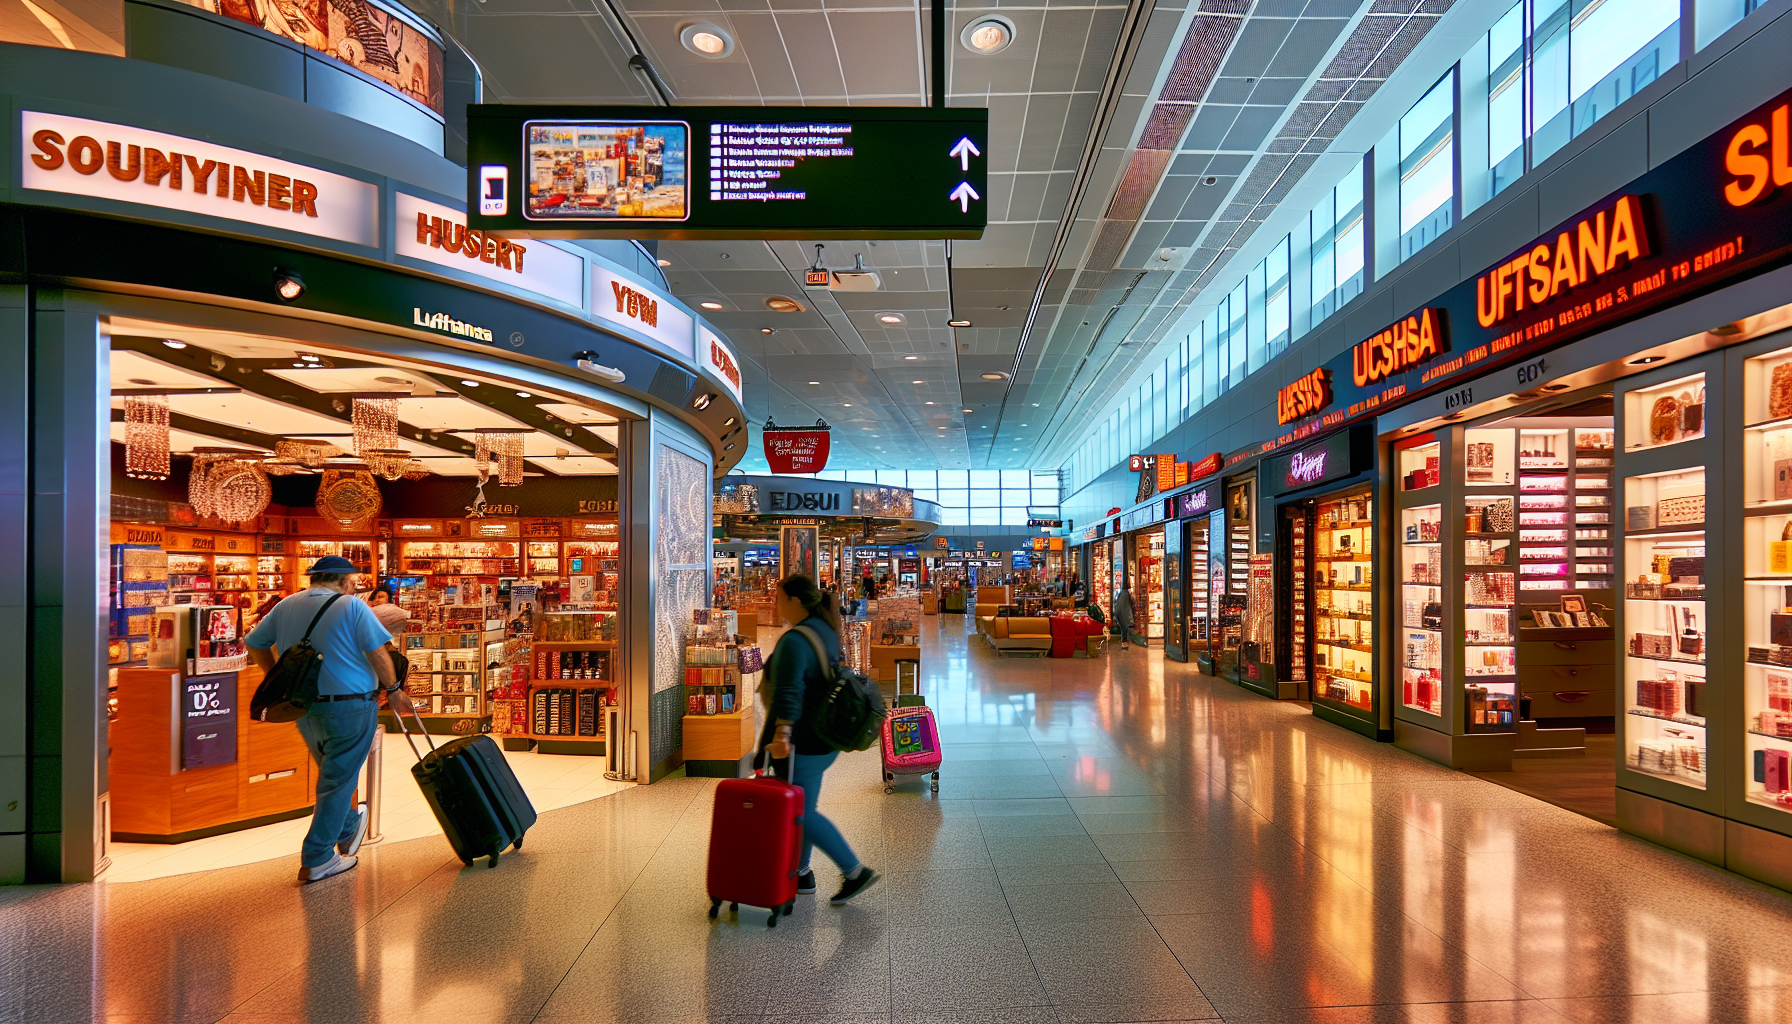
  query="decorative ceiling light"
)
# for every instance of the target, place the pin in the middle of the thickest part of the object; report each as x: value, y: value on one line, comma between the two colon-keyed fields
x: 987, y: 35
x: 376, y: 425
x: 387, y: 463
x: 146, y: 437
x: 706, y: 40
x: 229, y: 484
x: 780, y: 304
x: 305, y: 451
x: 349, y: 497
x: 504, y: 447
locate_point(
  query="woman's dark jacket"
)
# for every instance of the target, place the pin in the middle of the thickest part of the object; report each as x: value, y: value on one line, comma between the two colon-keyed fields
x: 799, y: 685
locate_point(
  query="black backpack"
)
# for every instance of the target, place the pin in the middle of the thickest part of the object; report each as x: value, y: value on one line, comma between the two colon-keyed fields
x: 290, y: 687
x: 852, y: 717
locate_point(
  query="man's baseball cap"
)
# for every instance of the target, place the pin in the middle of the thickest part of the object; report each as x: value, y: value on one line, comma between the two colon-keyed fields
x: 330, y: 563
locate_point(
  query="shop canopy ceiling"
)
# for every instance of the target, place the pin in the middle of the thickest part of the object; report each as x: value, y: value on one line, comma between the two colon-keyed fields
x: 294, y: 391
x: 1134, y: 147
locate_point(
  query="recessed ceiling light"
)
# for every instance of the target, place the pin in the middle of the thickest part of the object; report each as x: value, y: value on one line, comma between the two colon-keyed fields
x: 780, y: 304
x: 890, y: 318
x: 1646, y: 360
x: 915, y: 382
x: 710, y: 305
x: 663, y: 263
x: 927, y: 403
x: 768, y: 330
x: 967, y: 410
x: 958, y: 323
x: 171, y: 343
x: 987, y: 35
x: 470, y: 383
x: 993, y: 375
x: 911, y: 357
x: 308, y: 357
x: 729, y: 422
x: 706, y: 40
x: 815, y: 382
x: 524, y: 394
x: 845, y: 405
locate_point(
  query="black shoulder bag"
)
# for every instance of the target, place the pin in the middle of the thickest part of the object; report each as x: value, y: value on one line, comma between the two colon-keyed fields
x: 290, y: 687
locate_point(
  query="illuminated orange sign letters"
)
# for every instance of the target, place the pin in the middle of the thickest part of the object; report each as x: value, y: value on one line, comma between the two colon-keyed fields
x: 1587, y: 252
x: 1305, y: 396
x: 1397, y: 347
x: 1755, y: 170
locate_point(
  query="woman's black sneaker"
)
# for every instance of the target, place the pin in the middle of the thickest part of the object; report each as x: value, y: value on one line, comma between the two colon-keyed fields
x: 805, y: 884
x: 852, y: 886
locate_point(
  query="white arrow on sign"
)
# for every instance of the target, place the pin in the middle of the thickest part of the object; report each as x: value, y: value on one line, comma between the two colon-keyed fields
x: 964, y: 151
x: 964, y: 193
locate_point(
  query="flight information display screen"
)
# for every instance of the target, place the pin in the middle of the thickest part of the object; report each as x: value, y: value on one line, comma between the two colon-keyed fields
x: 729, y: 172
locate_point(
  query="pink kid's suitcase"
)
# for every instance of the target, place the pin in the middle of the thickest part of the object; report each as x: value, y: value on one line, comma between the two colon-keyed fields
x: 755, y: 842
x: 911, y: 746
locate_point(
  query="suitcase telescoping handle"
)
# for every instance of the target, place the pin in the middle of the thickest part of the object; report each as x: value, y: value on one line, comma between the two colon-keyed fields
x: 398, y: 716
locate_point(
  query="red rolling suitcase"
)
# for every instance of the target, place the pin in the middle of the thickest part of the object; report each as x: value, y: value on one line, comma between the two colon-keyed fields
x: 755, y: 844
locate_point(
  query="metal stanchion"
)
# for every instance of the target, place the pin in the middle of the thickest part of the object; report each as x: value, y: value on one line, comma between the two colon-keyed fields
x: 375, y: 778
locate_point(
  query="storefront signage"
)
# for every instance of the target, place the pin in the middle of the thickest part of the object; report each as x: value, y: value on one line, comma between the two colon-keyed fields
x: 1330, y: 459
x: 448, y: 325
x: 639, y: 308
x: 730, y: 172
x: 719, y: 360
x: 1136, y: 463
x: 802, y: 501
x: 1048, y: 524
x: 77, y: 156
x: 1306, y: 396
x: 1396, y: 348
x: 208, y: 721
x: 441, y: 237
x: 1579, y: 255
x: 796, y: 450
x: 1096, y: 532
x: 136, y: 533
x: 1198, y: 503
x: 1206, y: 467
x: 1710, y: 215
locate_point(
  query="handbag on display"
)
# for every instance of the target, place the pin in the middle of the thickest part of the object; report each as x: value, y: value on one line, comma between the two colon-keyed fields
x: 1779, y: 394
x: 1692, y: 414
x: 1664, y: 420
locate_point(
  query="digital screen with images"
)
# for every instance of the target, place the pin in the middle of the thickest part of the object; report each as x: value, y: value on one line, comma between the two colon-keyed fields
x: 606, y: 170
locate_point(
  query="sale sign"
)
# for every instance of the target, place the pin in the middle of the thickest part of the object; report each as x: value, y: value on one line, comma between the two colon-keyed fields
x: 796, y: 449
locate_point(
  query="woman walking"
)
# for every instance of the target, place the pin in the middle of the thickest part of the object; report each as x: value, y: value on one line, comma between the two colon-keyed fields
x: 1123, y: 614
x: 799, y: 685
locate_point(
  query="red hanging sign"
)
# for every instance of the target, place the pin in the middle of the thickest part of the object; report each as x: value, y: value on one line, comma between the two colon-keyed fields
x: 796, y: 449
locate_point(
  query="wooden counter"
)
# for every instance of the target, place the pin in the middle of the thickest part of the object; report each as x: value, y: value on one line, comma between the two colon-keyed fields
x: 714, y: 745
x: 154, y: 802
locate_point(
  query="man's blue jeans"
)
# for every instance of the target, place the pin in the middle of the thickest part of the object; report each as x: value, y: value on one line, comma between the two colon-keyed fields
x: 338, y: 733
x: 817, y: 830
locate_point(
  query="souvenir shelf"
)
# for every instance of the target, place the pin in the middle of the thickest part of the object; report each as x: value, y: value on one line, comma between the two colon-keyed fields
x: 1151, y: 575
x: 454, y: 640
x: 1767, y: 585
x: 1200, y: 592
x: 1490, y: 654
x: 1664, y: 612
x: 139, y: 585
x: 553, y: 686
x: 1343, y: 626
x: 1421, y: 608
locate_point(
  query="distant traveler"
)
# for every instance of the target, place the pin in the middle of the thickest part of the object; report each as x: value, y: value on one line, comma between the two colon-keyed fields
x: 390, y: 615
x: 1123, y: 614
x: 798, y: 685
x: 339, y: 728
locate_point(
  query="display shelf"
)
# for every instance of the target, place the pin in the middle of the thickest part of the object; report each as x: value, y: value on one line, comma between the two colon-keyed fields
x: 1667, y: 413
x: 1664, y: 574
x: 1343, y: 616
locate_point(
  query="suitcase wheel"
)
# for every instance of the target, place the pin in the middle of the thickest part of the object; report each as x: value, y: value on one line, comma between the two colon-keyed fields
x: 772, y: 921
x: 889, y: 789
x: 519, y: 839
x: 734, y: 908
x: 493, y: 862
x: 715, y: 907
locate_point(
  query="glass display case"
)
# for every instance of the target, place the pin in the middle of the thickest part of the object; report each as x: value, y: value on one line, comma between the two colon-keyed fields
x: 1298, y: 533
x: 1151, y: 584
x: 1343, y: 620
x: 1490, y: 651
x: 1421, y: 608
x: 1200, y: 620
x: 1666, y: 413
x: 1664, y: 618
x: 1767, y: 583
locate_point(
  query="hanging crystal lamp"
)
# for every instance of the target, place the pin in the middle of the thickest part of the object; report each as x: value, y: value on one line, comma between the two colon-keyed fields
x: 146, y: 437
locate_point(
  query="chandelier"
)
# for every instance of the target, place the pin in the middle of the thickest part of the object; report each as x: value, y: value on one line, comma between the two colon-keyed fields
x: 146, y: 437
x: 389, y: 463
x: 504, y: 447
x: 228, y: 484
x: 305, y: 451
x: 350, y: 497
x: 376, y: 425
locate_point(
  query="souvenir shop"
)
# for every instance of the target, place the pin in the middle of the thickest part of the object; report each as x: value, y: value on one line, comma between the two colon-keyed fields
x: 1140, y: 551
x: 520, y: 474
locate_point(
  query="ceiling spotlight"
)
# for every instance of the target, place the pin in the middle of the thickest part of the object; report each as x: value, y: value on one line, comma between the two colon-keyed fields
x: 911, y: 357
x: 663, y: 263
x: 1645, y: 360
x: 524, y: 394
x: 967, y: 410
x: 702, y: 401
x: 729, y: 422
x: 845, y: 405
x: 728, y: 447
x: 987, y: 35
x: 993, y: 375
x: 171, y: 343
x: 308, y: 357
x: 780, y: 304
x: 288, y: 284
x: 815, y: 382
x: 890, y: 318
x: 706, y: 40
x: 470, y: 383
x: 958, y: 323
x: 768, y: 330
x: 710, y: 305
x: 926, y: 403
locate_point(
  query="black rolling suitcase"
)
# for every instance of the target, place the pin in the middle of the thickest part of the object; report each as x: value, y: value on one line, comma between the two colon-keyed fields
x: 477, y: 798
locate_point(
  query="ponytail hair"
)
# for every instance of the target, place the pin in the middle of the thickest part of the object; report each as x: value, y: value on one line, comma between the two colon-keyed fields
x: 801, y: 588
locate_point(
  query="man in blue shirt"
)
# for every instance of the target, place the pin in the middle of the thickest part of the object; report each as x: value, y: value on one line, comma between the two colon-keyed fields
x: 339, y: 728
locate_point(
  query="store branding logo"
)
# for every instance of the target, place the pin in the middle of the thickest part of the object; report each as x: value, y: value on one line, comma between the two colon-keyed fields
x: 1307, y: 467
x: 1396, y: 348
x: 474, y: 245
x: 1304, y: 397
x: 1595, y: 246
x: 1212, y: 463
x: 1753, y: 171
x: 69, y: 154
x: 443, y: 238
x: 635, y: 305
x: 804, y: 501
x: 628, y: 303
x: 448, y: 325
x: 720, y: 360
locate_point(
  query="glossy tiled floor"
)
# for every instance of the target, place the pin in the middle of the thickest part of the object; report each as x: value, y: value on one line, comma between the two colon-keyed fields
x: 1115, y: 840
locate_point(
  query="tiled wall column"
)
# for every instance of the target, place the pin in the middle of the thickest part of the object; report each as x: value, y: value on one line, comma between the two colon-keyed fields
x: 15, y: 800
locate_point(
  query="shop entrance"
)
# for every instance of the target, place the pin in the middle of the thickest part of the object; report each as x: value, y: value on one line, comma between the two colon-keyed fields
x: 1327, y: 631
x: 1145, y: 557
x: 482, y: 521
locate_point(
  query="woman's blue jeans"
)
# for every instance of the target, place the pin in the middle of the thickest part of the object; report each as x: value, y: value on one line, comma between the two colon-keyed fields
x: 817, y: 830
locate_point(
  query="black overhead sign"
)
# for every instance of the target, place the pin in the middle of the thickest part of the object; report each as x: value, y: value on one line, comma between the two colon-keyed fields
x: 728, y: 172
